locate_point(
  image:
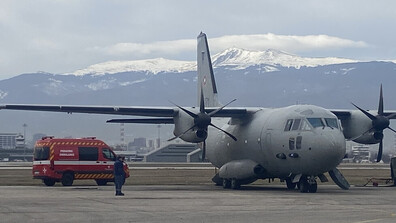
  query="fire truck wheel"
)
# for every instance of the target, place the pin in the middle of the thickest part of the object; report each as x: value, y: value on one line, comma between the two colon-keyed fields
x: 101, y: 182
x: 67, y: 179
x: 49, y: 182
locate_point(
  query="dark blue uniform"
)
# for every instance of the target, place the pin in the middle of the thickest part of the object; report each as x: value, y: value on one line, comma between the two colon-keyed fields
x: 119, y: 176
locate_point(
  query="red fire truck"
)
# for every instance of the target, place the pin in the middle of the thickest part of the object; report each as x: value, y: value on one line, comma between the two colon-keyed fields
x: 66, y: 160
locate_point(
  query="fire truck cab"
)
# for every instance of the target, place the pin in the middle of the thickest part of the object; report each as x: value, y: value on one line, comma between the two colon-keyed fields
x: 66, y: 160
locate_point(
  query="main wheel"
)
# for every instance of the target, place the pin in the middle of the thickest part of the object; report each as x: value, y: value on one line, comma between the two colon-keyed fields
x: 226, y: 183
x: 290, y: 185
x: 49, y: 182
x: 235, y: 184
x: 101, y: 182
x: 304, y: 185
x: 67, y: 179
x: 313, y: 188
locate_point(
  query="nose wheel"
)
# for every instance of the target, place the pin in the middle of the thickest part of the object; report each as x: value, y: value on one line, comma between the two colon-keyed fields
x: 231, y: 183
x: 308, y: 184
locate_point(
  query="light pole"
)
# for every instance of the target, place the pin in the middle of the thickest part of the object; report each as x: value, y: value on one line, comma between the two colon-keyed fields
x: 24, y: 140
x: 159, y: 136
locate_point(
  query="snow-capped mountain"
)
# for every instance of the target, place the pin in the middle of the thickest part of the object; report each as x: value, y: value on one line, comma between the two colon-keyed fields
x: 242, y: 59
x: 236, y: 59
x: 153, y: 66
x: 255, y: 78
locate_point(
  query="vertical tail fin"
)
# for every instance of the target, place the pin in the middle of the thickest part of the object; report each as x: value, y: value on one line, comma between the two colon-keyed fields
x: 206, y: 81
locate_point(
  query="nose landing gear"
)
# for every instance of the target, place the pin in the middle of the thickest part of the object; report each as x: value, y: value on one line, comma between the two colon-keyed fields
x: 308, y: 184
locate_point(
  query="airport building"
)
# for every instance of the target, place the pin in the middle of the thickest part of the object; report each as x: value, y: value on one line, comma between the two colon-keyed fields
x: 174, y: 153
x: 11, y: 141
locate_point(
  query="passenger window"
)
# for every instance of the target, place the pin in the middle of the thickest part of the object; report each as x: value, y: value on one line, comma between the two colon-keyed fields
x: 288, y: 124
x: 298, y: 142
x: 331, y: 122
x: 296, y: 124
x: 88, y: 153
x: 305, y: 126
x: 107, y: 154
x: 316, y: 122
x: 291, y: 143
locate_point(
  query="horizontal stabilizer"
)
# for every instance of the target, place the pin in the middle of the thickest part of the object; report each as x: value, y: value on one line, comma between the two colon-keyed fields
x: 143, y: 121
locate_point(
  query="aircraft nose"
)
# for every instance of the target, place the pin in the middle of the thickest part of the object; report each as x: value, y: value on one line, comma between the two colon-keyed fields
x: 334, y: 148
x: 325, y: 153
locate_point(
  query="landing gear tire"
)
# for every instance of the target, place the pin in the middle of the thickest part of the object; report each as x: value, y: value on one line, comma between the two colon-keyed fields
x: 304, y: 185
x: 67, y: 179
x: 313, y: 187
x: 235, y: 184
x: 226, y: 183
x: 290, y: 185
x: 49, y: 182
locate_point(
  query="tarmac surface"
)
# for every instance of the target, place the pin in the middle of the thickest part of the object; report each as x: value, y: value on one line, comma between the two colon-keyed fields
x: 196, y: 203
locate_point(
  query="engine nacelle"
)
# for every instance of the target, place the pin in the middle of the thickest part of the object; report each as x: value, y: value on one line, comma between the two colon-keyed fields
x: 182, y: 123
x: 370, y: 138
x: 241, y: 170
x: 358, y: 124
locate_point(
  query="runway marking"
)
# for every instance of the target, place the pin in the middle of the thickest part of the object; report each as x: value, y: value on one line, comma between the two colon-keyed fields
x: 367, y: 221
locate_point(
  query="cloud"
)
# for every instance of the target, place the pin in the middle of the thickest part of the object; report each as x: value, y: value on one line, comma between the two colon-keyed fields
x: 288, y: 43
x: 162, y: 47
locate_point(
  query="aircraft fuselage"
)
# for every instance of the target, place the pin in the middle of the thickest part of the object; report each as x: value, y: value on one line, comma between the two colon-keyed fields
x: 299, y: 139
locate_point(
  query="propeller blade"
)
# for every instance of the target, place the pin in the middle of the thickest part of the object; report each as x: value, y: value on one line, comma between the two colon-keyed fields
x: 379, y: 157
x: 391, y: 116
x: 372, y: 117
x: 178, y: 136
x: 227, y: 133
x: 392, y: 129
x: 381, y: 103
x: 203, y: 151
x: 185, y: 110
x: 217, y: 110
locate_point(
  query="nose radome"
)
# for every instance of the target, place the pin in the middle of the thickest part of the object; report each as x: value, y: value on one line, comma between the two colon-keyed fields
x: 335, y: 148
x: 327, y: 152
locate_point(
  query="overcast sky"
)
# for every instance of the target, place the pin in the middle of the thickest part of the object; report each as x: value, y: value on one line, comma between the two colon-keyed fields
x: 60, y: 36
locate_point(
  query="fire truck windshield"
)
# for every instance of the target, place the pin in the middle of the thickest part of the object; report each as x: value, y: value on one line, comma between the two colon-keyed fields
x: 41, y: 153
x: 108, y: 154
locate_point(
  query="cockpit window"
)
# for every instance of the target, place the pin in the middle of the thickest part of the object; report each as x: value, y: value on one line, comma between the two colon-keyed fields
x: 288, y: 124
x: 316, y: 122
x: 296, y: 124
x: 331, y: 122
x: 305, y: 126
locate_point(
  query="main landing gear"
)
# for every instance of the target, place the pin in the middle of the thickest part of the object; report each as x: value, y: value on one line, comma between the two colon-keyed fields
x: 231, y: 183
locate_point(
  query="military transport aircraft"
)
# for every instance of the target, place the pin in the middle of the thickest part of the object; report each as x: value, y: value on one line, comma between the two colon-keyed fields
x: 296, y: 144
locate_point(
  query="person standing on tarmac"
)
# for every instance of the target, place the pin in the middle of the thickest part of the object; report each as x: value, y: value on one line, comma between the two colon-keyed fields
x: 119, y: 175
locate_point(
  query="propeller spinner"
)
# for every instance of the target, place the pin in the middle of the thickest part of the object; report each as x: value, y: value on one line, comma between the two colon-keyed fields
x: 201, y: 121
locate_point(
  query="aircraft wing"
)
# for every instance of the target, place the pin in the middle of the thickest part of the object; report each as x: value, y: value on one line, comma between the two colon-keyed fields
x: 113, y: 110
x: 345, y: 114
x: 342, y: 114
x: 167, y: 113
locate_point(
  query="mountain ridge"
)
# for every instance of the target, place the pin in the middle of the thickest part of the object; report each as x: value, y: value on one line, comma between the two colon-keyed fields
x: 235, y: 57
